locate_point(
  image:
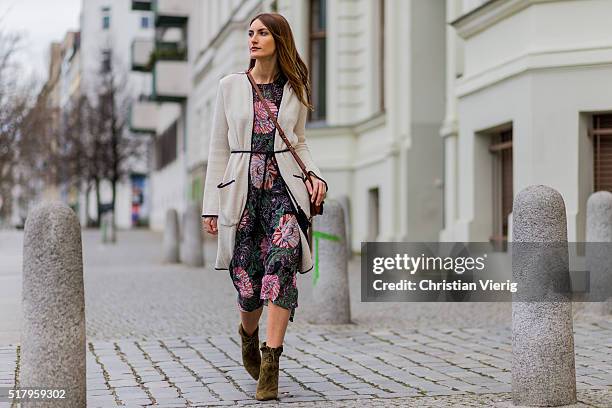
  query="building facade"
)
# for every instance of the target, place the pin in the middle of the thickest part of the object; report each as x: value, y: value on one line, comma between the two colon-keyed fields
x: 527, y: 103
x: 108, y: 30
x: 162, y: 113
x: 378, y: 78
x: 61, y: 88
x: 49, y: 97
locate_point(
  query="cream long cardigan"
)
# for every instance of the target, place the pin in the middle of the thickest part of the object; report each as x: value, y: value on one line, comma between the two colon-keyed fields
x: 226, y: 185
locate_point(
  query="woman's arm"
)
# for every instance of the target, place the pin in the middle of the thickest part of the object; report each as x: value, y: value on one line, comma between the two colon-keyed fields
x: 218, y: 156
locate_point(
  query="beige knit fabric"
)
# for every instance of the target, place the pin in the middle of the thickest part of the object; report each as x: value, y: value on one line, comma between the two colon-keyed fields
x: 226, y: 185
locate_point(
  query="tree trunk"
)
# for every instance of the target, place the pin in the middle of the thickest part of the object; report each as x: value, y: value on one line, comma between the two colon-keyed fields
x: 87, y: 191
x: 98, y: 201
x: 114, y: 225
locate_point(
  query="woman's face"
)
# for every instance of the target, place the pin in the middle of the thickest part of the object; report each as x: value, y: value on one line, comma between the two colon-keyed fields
x: 261, y: 41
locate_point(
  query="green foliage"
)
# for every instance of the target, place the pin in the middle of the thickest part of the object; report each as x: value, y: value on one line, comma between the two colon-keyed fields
x: 167, y: 52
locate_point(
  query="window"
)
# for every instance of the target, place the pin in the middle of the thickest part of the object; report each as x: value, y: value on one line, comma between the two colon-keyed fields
x: 106, y: 60
x: 106, y: 18
x: 501, y: 149
x: 166, y: 146
x: 144, y: 22
x: 317, y: 62
x: 602, y: 152
x: 373, y: 214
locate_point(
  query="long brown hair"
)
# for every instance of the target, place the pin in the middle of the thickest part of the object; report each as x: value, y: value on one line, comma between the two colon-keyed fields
x: 288, y: 60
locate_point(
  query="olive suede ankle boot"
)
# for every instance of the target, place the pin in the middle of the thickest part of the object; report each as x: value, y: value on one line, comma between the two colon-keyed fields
x: 267, y: 386
x: 251, y: 358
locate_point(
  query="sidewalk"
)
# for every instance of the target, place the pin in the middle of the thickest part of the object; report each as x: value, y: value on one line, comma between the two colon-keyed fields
x: 425, y: 367
x: 164, y: 335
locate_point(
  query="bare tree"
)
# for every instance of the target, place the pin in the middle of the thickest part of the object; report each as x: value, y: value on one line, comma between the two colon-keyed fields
x: 75, y: 159
x: 17, y: 119
x: 33, y: 152
x: 115, y: 149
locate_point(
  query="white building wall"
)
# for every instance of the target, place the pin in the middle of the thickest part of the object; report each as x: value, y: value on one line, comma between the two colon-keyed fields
x: 352, y: 70
x: 218, y: 44
x: 125, y: 26
x: 449, y: 131
x: 168, y: 184
x: 397, y: 150
x: 168, y: 192
x: 470, y: 5
x: 534, y: 68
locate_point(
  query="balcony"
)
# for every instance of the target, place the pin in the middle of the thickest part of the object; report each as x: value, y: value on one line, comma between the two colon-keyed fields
x: 170, y: 81
x: 170, y: 51
x: 171, y: 13
x: 143, y: 117
x: 141, y: 5
x: 142, y: 51
x: 170, y: 71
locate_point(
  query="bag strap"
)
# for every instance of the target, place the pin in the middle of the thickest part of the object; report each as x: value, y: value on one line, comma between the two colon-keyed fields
x: 280, y: 130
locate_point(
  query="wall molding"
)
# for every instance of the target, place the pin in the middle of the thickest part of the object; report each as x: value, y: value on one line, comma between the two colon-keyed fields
x: 490, y: 13
x: 554, y: 59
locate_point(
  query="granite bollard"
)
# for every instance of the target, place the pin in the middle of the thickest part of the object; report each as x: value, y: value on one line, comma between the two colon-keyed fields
x: 598, y: 254
x: 108, y: 228
x: 53, y: 303
x: 543, y: 366
x: 171, y: 241
x: 346, y: 208
x: 192, y: 251
x: 331, y: 302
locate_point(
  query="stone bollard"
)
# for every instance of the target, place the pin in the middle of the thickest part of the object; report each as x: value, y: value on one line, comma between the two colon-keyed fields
x: 104, y: 227
x: 171, y: 240
x: 598, y: 254
x: 112, y: 227
x: 331, y: 302
x: 108, y: 228
x: 346, y: 208
x: 192, y: 251
x: 543, y: 367
x: 53, y: 329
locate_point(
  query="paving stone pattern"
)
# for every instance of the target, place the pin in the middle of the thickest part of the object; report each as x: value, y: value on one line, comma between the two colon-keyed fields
x: 165, y: 335
x: 433, y: 366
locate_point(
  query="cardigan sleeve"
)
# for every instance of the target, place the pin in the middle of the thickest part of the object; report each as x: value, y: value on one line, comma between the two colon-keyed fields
x: 218, y: 157
x: 302, y: 148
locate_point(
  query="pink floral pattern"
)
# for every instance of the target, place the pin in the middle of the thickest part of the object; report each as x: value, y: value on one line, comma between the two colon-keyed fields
x: 263, y: 167
x: 272, y: 174
x: 262, y: 122
x: 264, y: 246
x: 267, y: 250
x: 243, y: 282
x: 287, y: 234
x: 244, y: 221
x: 270, y: 287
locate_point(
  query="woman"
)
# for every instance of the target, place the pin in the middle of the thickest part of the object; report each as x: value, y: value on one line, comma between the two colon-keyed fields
x: 254, y: 187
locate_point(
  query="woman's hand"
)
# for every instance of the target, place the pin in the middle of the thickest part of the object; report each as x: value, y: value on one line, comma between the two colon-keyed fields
x: 318, y: 191
x: 210, y: 225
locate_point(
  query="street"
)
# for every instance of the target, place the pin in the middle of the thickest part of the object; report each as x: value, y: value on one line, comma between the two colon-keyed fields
x: 166, y: 335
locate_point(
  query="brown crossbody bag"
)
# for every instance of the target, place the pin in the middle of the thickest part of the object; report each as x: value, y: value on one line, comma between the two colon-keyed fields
x: 314, y: 208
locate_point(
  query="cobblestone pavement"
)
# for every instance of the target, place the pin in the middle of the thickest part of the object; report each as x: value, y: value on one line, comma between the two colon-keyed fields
x: 165, y: 335
x: 130, y: 293
x: 436, y: 366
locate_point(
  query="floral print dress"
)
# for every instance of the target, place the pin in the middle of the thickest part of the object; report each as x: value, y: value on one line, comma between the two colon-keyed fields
x: 267, y: 250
